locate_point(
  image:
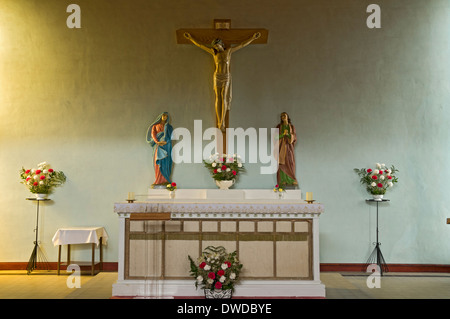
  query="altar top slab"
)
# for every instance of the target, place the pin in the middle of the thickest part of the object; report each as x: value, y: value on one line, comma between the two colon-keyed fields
x: 231, y: 194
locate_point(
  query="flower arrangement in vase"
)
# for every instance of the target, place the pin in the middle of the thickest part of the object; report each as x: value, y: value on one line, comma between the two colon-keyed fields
x: 279, y: 190
x: 216, y: 271
x: 224, y: 169
x: 43, y: 180
x: 377, y: 180
x: 171, y: 187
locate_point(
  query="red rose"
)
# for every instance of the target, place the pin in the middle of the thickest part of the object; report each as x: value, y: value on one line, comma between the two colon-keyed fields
x: 224, y: 167
x: 27, y: 171
x: 42, y: 177
x: 389, y: 177
x: 227, y: 263
x: 221, y: 272
x: 35, y: 184
x: 369, y: 170
x: 38, y: 171
x: 202, y: 265
x: 380, y: 185
x: 234, y: 172
x: 212, y: 275
x: 50, y: 170
x: 218, y: 285
x: 215, y: 171
x: 374, y: 177
x: 174, y: 184
x: 276, y: 186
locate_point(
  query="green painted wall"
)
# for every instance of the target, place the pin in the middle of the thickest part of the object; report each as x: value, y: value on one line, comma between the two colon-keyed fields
x: 82, y: 99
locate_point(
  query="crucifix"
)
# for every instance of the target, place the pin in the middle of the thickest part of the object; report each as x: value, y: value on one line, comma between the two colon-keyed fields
x: 221, y: 42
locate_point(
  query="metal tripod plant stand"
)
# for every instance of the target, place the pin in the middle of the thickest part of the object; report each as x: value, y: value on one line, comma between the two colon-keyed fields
x: 37, y: 255
x: 376, y: 257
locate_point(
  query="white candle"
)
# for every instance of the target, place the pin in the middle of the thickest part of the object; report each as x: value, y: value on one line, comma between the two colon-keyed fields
x: 309, y: 196
x: 130, y: 196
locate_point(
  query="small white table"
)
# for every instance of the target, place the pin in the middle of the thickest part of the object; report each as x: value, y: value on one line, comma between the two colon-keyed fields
x: 81, y: 235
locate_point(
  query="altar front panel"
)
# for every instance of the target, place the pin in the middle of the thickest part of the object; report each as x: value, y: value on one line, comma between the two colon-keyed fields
x: 277, y: 241
x: 269, y: 249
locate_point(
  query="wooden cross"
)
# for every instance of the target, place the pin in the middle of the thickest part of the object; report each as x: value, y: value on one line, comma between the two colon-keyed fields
x: 230, y: 41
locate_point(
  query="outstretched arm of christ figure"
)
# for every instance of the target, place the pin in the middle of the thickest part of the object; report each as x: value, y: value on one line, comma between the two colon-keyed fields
x: 188, y: 36
x: 246, y: 42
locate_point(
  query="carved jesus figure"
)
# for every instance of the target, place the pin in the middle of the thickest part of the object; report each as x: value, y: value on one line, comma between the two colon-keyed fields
x: 222, y: 73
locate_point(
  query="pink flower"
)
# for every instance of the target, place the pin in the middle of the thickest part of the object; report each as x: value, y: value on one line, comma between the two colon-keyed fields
x: 212, y: 275
x: 218, y: 285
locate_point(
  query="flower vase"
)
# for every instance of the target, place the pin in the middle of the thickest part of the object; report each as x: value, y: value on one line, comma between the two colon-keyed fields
x: 218, y: 294
x: 378, y: 198
x: 41, y: 196
x: 280, y: 195
x: 224, y: 185
x: 171, y: 194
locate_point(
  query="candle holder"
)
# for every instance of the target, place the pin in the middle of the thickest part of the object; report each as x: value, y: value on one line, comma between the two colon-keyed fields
x: 310, y: 201
x: 130, y: 200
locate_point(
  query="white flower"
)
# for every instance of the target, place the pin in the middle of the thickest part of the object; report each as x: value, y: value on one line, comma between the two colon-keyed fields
x: 232, y: 275
x: 219, y: 170
x: 382, y: 165
x: 376, y: 171
x: 207, y: 267
x: 41, y: 183
x: 45, y: 171
x: 213, y: 164
x: 210, y: 281
x: 36, y: 177
x: 378, y: 165
x: 224, y: 266
x: 228, y: 169
x: 222, y: 279
x: 199, y: 278
x: 382, y: 177
x: 390, y: 184
x: 373, y: 184
x: 239, y: 165
x: 42, y: 165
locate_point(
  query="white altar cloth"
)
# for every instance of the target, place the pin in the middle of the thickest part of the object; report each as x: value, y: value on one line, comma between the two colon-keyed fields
x: 80, y: 235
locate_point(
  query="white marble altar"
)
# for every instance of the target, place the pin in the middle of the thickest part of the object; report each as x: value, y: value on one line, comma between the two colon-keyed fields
x: 277, y: 240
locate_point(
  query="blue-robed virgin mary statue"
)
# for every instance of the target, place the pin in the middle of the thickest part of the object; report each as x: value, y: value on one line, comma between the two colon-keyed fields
x: 159, y: 136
